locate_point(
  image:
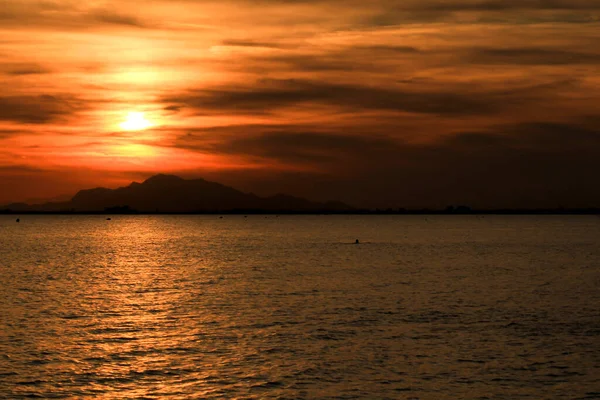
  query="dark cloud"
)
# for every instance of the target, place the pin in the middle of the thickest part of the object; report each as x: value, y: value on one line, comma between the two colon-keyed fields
x: 113, y: 17
x: 309, y: 143
x: 6, y: 133
x: 37, y: 109
x: 350, y: 59
x: 392, y: 12
x: 521, y: 165
x: 498, y: 5
x: 387, y: 49
x: 16, y: 69
x: 270, y: 95
x: 275, y: 94
x: 339, y: 13
x: 252, y: 43
x: 310, y: 63
x: 533, y: 56
x: 555, y: 137
x: 63, y: 15
x: 538, y: 136
x: 173, y: 108
x: 291, y: 146
x: 447, y: 5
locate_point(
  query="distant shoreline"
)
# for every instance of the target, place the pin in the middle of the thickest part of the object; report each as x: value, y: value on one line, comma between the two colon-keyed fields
x: 584, y: 211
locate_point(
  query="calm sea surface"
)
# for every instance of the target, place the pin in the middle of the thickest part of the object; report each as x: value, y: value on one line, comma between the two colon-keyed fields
x: 198, y: 307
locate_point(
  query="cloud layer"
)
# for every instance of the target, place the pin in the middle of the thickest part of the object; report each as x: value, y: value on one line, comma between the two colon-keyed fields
x: 382, y: 103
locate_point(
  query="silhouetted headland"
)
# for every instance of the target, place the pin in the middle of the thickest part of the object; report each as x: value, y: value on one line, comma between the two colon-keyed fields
x: 172, y: 194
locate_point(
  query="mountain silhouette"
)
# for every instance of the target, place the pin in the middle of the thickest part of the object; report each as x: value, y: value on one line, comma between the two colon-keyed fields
x: 169, y: 193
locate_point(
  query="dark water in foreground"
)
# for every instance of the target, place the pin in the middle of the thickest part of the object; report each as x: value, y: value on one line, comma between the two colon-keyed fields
x: 183, y: 307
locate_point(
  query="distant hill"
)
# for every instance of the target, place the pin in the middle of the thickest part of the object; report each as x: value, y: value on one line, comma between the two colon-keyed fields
x: 169, y: 193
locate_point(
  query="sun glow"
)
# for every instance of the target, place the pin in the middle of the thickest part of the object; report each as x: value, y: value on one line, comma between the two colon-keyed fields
x: 135, y: 122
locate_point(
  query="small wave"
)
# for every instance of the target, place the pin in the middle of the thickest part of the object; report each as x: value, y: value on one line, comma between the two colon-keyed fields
x: 267, y: 385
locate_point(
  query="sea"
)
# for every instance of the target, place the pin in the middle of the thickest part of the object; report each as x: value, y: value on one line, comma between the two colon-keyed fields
x: 290, y: 307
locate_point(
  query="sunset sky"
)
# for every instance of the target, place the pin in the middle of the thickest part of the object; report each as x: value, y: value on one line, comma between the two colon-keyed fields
x: 404, y: 103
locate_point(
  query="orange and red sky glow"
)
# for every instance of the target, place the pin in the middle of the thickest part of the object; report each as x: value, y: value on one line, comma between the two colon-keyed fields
x: 404, y: 103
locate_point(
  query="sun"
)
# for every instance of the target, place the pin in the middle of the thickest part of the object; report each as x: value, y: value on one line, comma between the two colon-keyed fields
x: 135, y: 122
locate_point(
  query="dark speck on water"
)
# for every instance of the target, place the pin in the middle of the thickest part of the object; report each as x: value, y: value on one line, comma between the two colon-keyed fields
x: 188, y: 307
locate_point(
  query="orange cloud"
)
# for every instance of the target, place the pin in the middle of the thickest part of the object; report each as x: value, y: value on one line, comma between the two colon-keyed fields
x: 253, y: 91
